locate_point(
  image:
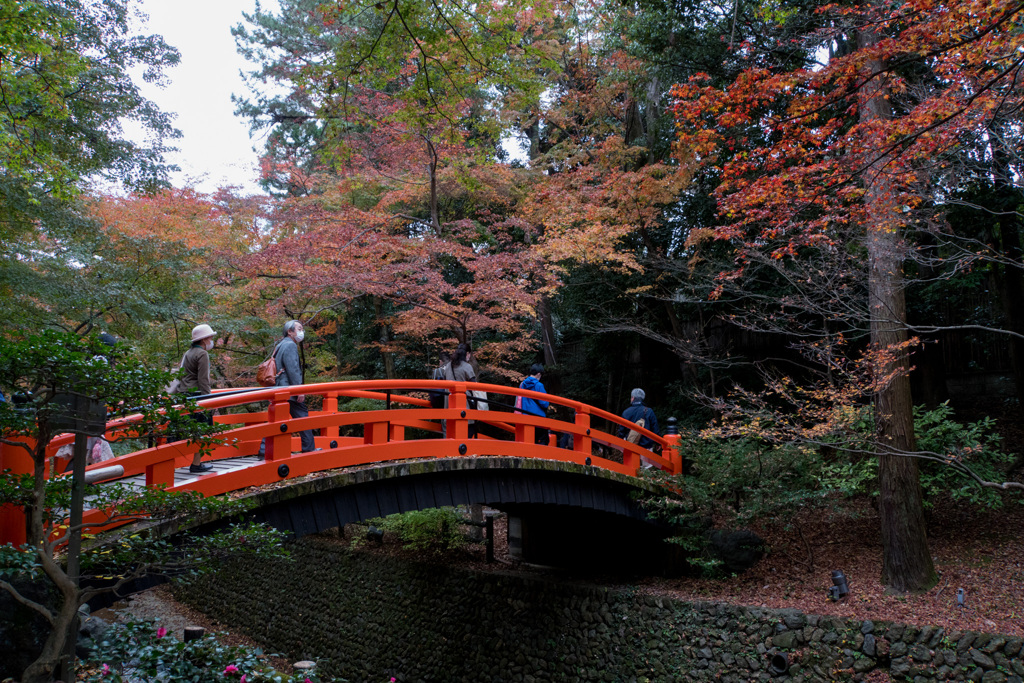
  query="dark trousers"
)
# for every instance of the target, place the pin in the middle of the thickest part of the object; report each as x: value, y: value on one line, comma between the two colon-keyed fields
x: 296, y: 410
x: 203, y: 417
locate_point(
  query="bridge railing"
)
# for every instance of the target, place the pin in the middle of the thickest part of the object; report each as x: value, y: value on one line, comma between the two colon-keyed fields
x: 406, y: 427
x: 403, y: 410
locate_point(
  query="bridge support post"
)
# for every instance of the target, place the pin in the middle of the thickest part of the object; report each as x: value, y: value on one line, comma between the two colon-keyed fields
x: 396, y: 432
x: 458, y: 428
x: 375, y: 432
x: 331, y: 406
x: 631, y: 459
x: 525, y: 433
x: 160, y: 473
x: 514, y: 531
x: 279, y: 446
x: 581, y: 442
x: 12, y: 517
x: 671, y: 451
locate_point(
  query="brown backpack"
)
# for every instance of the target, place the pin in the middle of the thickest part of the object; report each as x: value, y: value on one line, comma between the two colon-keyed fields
x: 266, y: 372
x: 634, y: 436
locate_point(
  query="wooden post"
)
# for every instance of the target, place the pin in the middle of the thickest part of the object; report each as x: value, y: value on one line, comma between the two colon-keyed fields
x: 331, y: 406
x: 160, y: 473
x: 375, y: 432
x: 458, y: 428
x: 12, y: 517
x: 279, y: 446
x: 671, y: 450
x: 581, y: 441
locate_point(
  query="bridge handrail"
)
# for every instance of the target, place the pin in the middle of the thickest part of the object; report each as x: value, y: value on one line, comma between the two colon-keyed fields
x: 383, y: 438
x: 425, y: 385
x: 386, y: 390
x: 237, y: 397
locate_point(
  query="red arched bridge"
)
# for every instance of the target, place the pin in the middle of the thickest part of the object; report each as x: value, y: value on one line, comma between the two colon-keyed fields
x: 406, y: 455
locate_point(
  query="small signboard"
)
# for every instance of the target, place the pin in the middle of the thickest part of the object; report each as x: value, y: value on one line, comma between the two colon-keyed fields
x: 78, y: 413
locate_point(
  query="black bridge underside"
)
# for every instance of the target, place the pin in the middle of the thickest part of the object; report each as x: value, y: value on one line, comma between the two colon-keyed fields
x: 511, y: 484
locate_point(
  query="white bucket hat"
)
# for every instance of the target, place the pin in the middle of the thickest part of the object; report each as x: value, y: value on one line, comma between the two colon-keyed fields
x: 202, y: 332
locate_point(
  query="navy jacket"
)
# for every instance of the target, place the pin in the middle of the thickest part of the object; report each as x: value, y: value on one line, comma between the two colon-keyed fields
x: 633, y: 413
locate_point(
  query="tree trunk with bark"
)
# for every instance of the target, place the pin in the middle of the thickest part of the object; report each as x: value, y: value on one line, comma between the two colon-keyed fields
x: 46, y: 664
x: 1008, y: 277
x: 906, y: 560
x: 547, y: 331
x: 385, y: 338
x: 435, y: 217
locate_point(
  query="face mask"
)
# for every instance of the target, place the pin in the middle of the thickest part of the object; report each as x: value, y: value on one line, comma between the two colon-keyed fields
x: 300, y: 335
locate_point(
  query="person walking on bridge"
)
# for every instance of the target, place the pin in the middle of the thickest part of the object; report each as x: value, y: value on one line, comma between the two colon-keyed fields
x: 642, y: 415
x: 195, y: 381
x: 536, y: 407
x: 290, y: 374
x: 461, y: 370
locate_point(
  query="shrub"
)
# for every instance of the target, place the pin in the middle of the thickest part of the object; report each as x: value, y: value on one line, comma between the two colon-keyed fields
x: 744, y: 478
x: 946, y: 447
x: 434, y: 529
x: 975, y: 444
x: 141, y: 651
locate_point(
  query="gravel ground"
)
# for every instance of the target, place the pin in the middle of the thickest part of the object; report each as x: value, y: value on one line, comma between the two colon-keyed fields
x: 157, y: 604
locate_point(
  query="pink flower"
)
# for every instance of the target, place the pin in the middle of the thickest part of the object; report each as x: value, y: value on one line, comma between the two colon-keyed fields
x: 106, y: 669
x: 393, y: 679
x: 231, y: 669
x: 242, y: 680
x: 161, y: 632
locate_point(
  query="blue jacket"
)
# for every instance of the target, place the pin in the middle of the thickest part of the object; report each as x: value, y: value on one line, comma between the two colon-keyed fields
x: 633, y: 413
x: 530, y: 406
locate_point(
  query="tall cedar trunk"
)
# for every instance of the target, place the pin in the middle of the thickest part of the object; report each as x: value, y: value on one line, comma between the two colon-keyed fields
x: 906, y: 561
x: 547, y: 331
x: 385, y: 338
x: 1009, y: 279
x: 435, y: 219
x: 547, y: 327
x: 928, y: 379
x: 533, y: 135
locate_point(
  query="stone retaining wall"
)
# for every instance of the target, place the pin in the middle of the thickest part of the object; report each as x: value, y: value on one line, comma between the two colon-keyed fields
x: 368, y: 618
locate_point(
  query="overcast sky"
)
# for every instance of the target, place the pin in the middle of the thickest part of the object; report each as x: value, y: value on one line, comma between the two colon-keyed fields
x: 215, y: 149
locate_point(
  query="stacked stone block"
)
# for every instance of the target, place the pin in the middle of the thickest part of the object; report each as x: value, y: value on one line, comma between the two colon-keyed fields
x: 368, y: 618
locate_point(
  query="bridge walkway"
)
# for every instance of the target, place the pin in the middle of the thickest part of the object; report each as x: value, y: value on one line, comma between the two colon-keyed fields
x: 401, y: 426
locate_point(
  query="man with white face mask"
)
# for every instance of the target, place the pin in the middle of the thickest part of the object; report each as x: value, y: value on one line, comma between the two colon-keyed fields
x: 289, y: 374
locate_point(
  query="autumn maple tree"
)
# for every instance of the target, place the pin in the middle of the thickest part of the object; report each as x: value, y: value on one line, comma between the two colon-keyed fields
x: 830, y: 175
x: 388, y: 143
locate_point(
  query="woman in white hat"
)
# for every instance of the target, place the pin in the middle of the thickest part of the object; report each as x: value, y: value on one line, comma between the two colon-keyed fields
x: 195, y: 379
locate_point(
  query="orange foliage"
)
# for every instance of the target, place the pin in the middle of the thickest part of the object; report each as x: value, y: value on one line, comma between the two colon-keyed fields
x: 221, y: 222
x: 806, y: 178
